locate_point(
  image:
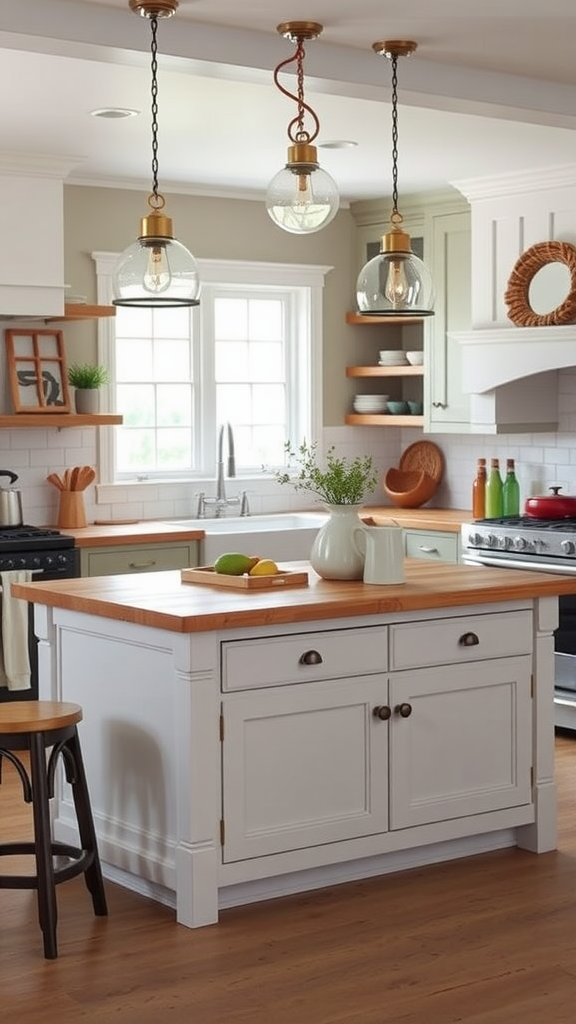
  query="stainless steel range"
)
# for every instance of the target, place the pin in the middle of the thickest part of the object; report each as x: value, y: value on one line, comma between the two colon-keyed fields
x: 541, y: 545
x: 45, y: 553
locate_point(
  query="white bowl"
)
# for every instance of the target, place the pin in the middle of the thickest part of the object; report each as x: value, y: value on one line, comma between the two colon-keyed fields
x: 371, y: 398
x: 415, y: 358
x: 392, y: 356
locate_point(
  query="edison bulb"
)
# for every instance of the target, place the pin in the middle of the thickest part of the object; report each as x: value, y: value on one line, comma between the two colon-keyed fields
x: 157, y: 277
x: 396, y: 288
x: 302, y: 199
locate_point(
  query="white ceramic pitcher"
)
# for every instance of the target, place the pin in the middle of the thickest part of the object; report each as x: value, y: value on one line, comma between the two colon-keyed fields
x: 383, y: 547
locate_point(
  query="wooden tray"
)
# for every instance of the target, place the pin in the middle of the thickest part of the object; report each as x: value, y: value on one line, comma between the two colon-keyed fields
x: 206, y: 574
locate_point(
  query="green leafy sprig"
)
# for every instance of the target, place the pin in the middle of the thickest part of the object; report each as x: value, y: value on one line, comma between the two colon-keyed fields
x: 342, y: 482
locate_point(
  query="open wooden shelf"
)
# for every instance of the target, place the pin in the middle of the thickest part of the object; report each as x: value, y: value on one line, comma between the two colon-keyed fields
x: 359, y: 318
x: 382, y: 420
x: 385, y: 371
x: 59, y: 419
x: 79, y: 311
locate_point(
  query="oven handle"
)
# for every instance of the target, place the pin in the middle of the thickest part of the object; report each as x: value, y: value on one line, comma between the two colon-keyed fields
x: 511, y: 563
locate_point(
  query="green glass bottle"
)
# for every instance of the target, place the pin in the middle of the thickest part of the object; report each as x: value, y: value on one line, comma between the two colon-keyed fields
x: 494, y: 491
x: 510, y: 491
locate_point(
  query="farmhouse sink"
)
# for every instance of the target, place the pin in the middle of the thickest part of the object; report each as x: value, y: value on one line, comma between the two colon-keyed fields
x: 286, y: 536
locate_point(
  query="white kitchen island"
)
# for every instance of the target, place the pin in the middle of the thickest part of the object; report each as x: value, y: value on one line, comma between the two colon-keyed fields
x: 244, y: 745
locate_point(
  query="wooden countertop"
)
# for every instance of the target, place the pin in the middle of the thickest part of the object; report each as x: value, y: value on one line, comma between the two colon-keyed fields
x: 144, y: 532
x: 448, y: 520
x: 151, y: 531
x: 161, y: 600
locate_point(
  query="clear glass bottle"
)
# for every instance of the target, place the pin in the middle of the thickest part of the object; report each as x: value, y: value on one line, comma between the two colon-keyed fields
x: 479, y: 491
x: 494, y: 491
x: 510, y: 491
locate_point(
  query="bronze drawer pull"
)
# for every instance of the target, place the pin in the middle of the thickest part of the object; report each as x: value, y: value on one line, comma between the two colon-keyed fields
x: 142, y: 565
x: 469, y: 640
x: 404, y: 710
x: 311, y: 658
x: 383, y: 712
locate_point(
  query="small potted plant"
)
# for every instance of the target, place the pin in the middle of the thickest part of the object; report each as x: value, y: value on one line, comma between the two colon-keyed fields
x: 343, y: 485
x: 87, y: 378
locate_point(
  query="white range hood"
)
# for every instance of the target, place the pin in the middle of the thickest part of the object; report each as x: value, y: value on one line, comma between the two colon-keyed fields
x: 511, y: 372
x: 32, y: 250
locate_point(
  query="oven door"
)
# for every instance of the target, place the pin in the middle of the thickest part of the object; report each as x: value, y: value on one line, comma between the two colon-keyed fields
x: 70, y: 570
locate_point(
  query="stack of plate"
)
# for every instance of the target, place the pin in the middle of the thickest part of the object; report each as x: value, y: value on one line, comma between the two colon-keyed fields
x: 392, y: 357
x: 370, y: 403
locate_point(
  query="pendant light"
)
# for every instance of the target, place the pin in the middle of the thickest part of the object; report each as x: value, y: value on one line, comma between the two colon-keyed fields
x: 301, y: 198
x: 156, y: 270
x: 396, y: 283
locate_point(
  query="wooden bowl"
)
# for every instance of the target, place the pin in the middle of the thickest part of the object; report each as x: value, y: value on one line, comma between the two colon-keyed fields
x: 409, y: 488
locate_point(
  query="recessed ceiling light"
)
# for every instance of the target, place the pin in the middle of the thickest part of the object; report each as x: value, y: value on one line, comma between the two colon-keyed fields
x: 337, y: 144
x: 113, y: 113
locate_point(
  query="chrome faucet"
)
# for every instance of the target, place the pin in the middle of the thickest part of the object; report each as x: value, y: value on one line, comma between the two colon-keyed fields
x: 221, y: 502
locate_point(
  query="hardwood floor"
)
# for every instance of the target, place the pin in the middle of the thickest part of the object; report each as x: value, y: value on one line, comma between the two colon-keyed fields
x: 487, y: 939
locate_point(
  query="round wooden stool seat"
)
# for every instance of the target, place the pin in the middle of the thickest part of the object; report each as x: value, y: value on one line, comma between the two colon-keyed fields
x: 37, y: 716
x: 36, y: 727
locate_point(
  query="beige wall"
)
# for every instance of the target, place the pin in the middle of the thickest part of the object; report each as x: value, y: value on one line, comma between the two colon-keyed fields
x: 102, y: 219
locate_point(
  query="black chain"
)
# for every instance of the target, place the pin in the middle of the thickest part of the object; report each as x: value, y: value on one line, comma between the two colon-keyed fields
x: 154, y: 51
x: 394, y: 60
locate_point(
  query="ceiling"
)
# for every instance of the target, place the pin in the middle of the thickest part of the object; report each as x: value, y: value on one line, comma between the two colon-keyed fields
x: 491, y: 90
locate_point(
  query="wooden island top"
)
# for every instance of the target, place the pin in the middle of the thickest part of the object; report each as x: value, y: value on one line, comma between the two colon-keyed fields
x: 163, y: 601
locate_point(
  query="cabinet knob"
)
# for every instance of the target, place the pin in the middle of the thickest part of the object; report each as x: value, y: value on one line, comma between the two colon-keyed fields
x: 311, y: 658
x: 382, y: 711
x: 469, y: 640
x: 404, y: 710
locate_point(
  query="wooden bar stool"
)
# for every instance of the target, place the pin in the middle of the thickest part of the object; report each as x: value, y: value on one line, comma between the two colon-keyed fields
x: 36, y: 727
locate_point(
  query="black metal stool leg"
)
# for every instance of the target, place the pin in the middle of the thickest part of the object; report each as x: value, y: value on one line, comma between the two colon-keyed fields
x: 47, y: 908
x: 80, y: 795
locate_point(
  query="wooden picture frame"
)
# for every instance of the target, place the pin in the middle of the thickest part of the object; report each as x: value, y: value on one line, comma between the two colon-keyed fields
x: 37, y: 371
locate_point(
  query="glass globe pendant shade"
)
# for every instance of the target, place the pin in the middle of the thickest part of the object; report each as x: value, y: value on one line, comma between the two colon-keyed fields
x: 302, y: 198
x: 156, y: 270
x: 395, y: 283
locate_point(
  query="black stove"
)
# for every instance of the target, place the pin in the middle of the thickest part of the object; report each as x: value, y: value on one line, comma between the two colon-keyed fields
x: 41, y: 550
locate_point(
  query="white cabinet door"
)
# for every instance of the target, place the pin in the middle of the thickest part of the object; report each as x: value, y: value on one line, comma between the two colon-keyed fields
x: 446, y: 407
x: 304, y: 765
x: 464, y: 747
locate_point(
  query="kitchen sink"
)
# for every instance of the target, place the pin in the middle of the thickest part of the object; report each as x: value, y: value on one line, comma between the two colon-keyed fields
x: 285, y: 536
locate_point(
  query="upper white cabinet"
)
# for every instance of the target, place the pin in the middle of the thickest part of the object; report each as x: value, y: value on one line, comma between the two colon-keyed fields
x: 446, y: 407
x: 32, y: 251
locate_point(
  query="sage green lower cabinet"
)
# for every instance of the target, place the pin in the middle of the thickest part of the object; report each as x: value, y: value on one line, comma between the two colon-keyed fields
x: 133, y: 558
x: 432, y: 545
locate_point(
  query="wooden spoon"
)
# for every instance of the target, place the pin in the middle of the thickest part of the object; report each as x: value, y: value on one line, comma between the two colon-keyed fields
x: 86, y: 476
x: 53, y: 478
x: 74, y: 474
x: 66, y: 480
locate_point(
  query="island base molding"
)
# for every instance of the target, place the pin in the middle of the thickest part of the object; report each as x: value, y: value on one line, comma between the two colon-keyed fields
x: 230, y: 766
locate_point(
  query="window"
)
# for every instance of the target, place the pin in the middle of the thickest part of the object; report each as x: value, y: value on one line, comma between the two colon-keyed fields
x: 248, y: 355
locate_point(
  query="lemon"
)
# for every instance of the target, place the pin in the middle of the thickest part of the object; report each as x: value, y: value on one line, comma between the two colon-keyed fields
x: 264, y: 567
x: 233, y: 563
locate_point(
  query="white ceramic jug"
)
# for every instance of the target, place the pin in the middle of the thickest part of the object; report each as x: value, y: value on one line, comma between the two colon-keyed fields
x: 383, y: 547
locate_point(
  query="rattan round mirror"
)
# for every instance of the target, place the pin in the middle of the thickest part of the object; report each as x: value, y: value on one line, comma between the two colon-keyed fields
x: 517, y: 295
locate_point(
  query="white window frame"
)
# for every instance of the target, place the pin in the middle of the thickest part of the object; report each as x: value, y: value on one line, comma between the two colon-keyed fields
x: 232, y: 272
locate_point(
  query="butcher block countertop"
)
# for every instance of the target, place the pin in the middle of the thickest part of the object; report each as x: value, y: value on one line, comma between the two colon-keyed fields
x: 144, y: 532
x: 161, y: 600
x: 151, y: 532
x: 448, y: 520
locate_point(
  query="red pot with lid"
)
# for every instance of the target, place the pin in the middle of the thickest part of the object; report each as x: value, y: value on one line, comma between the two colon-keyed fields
x: 552, y: 506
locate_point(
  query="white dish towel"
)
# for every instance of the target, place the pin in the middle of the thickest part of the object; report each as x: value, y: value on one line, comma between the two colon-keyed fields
x: 15, y: 660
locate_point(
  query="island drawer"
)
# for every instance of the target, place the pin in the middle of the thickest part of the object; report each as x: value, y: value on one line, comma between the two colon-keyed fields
x: 305, y: 657
x: 461, y: 639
